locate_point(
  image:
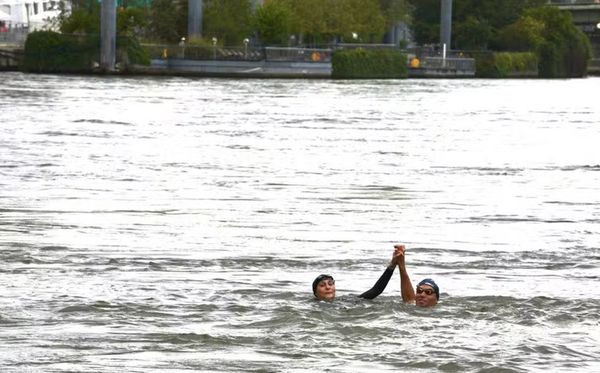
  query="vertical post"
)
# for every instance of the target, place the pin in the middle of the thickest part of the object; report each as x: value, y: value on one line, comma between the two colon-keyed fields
x: 27, y: 13
x: 444, y: 55
x: 108, y: 32
x: 194, y: 19
x: 446, y: 23
x: 214, y: 43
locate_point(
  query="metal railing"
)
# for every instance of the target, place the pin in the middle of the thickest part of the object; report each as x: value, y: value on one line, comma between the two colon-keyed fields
x: 13, y: 37
x: 573, y: 2
x: 216, y: 53
x: 297, y: 54
x: 465, y: 64
x: 365, y: 46
x: 311, y: 55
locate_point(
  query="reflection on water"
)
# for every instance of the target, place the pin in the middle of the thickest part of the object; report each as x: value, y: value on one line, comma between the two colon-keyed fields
x: 165, y: 223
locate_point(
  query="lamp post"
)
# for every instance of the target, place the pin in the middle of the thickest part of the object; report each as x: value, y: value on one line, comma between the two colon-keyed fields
x: 182, y: 48
x: 214, y: 42
x: 446, y: 23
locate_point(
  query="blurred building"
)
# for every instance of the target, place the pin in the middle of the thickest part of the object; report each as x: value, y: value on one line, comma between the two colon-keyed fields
x: 27, y: 15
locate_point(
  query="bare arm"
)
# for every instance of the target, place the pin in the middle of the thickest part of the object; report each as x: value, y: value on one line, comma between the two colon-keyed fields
x: 406, y: 288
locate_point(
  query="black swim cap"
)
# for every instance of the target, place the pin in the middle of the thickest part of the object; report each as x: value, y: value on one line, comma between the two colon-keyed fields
x: 319, y: 279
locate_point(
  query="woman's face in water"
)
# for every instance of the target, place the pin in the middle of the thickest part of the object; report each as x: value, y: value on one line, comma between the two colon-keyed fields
x: 326, y: 290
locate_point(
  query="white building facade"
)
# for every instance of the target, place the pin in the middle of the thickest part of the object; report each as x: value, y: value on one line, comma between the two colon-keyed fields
x: 27, y: 14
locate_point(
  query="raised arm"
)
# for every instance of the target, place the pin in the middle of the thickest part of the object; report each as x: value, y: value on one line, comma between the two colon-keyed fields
x: 380, y: 285
x: 406, y: 288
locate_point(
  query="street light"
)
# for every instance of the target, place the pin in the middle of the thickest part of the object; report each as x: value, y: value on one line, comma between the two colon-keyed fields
x: 214, y: 42
x: 182, y: 48
x: 246, y: 41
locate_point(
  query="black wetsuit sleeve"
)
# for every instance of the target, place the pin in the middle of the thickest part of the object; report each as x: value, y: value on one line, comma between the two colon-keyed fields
x: 380, y: 285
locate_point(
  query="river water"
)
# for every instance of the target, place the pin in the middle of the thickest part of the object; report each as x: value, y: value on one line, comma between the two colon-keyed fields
x: 171, y: 224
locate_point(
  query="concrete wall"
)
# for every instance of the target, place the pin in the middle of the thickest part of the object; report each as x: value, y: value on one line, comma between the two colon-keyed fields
x: 262, y: 69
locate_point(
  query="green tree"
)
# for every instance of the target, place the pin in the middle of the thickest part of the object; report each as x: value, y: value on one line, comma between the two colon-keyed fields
x: 312, y: 19
x: 565, y: 50
x: 467, y: 16
x: 426, y: 21
x: 131, y: 21
x: 230, y: 21
x: 366, y: 19
x: 395, y: 11
x: 472, y: 34
x: 274, y: 22
x: 323, y: 21
x: 83, y: 18
x: 523, y: 35
x: 167, y: 20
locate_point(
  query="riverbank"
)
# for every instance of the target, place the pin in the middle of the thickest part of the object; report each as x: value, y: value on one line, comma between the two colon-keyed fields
x: 438, y: 68
x: 236, y: 69
x: 433, y: 68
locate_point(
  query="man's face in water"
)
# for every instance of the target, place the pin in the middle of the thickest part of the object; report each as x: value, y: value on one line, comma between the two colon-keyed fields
x: 425, y: 296
x: 325, y: 289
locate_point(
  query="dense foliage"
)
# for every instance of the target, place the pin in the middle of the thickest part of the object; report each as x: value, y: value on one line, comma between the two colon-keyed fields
x: 307, y: 22
x: 167, y: 21
x: 324, y: 21
x: 475, y: 23
x: 506, y: 64
x: 52, y: 52
x: 361, y: 63
x: 48, y: 51
x: 227, y: 20
x: 274, y: 22
x: 563, y: 50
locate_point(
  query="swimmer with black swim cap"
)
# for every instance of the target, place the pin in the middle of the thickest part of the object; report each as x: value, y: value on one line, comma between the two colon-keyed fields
x: 324, y: 285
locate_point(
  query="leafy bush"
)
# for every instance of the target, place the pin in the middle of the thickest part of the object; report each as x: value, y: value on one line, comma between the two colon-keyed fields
x: 49, y: 51
x: 369, y: 64
x: 523, y: 35
x: 505, y: 64
x: 135, y: 53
